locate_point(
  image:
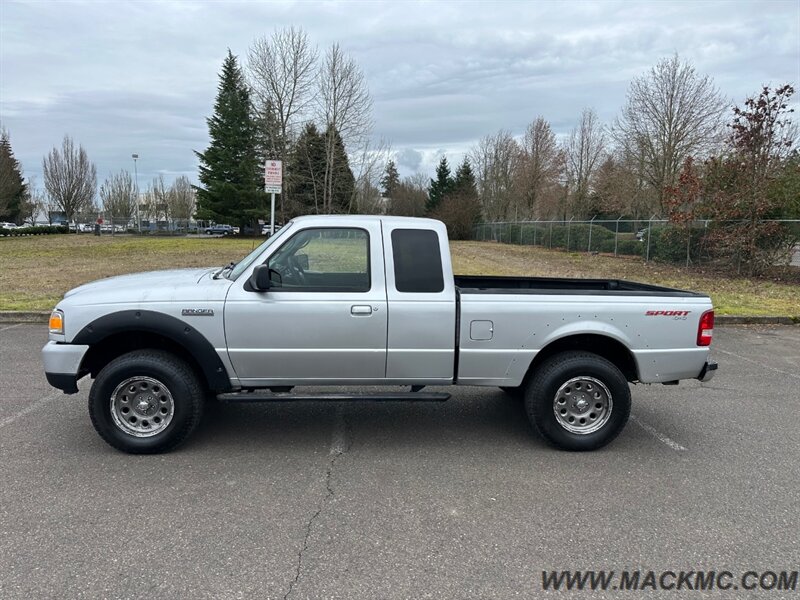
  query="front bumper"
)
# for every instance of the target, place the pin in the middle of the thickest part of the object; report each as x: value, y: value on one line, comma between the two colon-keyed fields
x: 62, y: 364
x: 708, y: 372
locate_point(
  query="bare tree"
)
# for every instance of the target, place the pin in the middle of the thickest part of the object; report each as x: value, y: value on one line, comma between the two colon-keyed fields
x: 670, y: 114
x: 118, y: 195
x: 69, y: 178
x: 541, y: 164
x: 281, y: 69
x: 584, y: 150
x: 497, y: 161
x: 34, y: 202
x: 182, y: 200
x: 345, y: 106
x: 410, y: 196
x: 156, y: 200
x: 367, y: 167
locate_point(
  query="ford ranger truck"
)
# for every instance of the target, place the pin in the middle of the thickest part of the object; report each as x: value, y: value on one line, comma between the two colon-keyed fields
x: 367, y: 300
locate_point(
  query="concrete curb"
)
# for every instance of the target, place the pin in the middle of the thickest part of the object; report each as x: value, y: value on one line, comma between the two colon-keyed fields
x: 18, y: 316
x: 13, y: 316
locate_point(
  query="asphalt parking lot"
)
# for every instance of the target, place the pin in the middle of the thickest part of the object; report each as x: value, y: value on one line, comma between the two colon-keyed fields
x: 363, y: 500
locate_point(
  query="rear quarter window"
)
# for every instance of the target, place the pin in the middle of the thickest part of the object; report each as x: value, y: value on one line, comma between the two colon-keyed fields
x: 417, y: 261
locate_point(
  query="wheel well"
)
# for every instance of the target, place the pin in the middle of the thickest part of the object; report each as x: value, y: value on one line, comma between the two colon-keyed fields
x: 607, y: 347
x: 117, y: 344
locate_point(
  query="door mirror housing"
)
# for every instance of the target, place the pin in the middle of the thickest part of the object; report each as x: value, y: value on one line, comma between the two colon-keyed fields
x: 259, y: 280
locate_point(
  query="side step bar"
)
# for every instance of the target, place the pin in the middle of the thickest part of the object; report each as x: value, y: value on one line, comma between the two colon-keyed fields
x: 376, y: 397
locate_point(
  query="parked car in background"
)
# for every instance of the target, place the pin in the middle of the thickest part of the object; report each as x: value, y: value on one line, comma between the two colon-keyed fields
x: 641, y: 234
x: 235, y: 231
x: 220, y: 230
x: 6, y: 225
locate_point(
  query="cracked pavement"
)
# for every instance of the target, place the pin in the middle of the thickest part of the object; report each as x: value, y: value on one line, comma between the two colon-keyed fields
x: 391, y: 500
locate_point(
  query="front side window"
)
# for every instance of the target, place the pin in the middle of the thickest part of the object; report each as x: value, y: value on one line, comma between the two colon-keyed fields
x: 324, y: 259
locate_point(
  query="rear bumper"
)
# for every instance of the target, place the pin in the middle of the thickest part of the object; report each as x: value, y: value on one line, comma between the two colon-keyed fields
x: 708, y: 372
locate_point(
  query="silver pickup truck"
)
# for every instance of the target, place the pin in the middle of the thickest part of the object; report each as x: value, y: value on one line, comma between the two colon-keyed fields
x: 367, y: 300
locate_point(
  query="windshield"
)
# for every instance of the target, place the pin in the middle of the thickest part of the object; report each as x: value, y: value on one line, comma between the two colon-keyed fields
x: 242, y: 265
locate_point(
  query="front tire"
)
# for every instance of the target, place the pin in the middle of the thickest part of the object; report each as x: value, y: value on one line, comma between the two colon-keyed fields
x: 145, y: 402
x: 578, y: 401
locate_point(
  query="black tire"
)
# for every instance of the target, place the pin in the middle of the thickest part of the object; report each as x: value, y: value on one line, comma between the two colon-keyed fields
x: 182, y: 388
x: 569, y: 375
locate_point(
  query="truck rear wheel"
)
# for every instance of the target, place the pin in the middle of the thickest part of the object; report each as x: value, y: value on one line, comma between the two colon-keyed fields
x: 578, y: 401
x: 146, y: 401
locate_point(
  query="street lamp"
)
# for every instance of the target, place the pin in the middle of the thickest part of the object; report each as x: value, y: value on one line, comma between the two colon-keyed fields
x: 135, y: 157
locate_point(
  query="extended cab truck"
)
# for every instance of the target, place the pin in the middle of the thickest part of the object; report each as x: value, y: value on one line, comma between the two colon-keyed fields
x: 344, y: 300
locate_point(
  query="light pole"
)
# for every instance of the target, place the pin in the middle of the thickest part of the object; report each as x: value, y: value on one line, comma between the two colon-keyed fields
x: 135, y: 157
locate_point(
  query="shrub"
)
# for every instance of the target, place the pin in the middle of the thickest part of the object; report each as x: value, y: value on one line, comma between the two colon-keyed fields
x: 34, y: 230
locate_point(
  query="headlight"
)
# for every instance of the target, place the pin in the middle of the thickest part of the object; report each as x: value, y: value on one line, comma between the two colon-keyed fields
x: 57, y: 322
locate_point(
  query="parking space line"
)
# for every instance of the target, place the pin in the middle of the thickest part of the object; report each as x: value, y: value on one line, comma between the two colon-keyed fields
x: 11, y: 327
x: 28, y: 409
x: 755, y: 362
x: 658, y: 435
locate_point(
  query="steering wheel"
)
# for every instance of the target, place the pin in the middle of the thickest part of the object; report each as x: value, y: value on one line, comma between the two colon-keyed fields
x: 296, y: 270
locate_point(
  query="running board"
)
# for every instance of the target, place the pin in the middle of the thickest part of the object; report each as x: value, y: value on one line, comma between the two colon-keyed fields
x: 377, y: 397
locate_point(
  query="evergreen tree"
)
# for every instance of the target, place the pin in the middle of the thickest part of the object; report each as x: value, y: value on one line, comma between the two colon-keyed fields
x: 343, y: 182
x: 464, y: 181
x: 231, y: 188
x: 390, y: 180
x: 439, y: 186
x: 305, y: 172
x: 13, y: 190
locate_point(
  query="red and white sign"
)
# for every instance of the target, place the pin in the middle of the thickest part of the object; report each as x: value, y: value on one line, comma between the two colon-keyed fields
x: 273, y: 176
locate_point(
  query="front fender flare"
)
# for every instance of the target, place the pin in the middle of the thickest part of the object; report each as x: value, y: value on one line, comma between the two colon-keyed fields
x: 187, y: 337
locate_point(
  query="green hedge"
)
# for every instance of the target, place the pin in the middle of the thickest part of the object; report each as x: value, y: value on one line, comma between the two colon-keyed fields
x: 36, y: 230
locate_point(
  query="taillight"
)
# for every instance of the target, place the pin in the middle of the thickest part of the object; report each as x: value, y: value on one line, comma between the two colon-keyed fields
x: 705, y: 330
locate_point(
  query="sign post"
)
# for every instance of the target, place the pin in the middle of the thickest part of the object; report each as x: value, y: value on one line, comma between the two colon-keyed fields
x: 273, y: 182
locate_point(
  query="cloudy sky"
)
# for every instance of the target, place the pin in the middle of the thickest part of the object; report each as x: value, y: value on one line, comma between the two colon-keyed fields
x: 124, y: 77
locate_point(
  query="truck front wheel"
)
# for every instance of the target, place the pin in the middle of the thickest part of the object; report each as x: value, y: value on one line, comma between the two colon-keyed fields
x: 578, y: 401
x: 146, y: 401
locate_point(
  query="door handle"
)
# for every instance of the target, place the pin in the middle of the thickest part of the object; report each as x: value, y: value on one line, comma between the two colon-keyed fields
x: 361, y: 310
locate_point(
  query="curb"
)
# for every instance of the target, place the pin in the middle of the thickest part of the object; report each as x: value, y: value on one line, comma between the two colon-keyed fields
x: 13, y: 316
x: 17, y: 316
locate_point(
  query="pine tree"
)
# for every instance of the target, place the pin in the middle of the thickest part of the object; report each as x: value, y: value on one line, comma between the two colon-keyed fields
x: 439, y: 186
x: 390, y: 180
x: 13, y: 190
x: 231, y: 189
x: 305, y: 172
x: 464, y: 181
x: 343, y: 182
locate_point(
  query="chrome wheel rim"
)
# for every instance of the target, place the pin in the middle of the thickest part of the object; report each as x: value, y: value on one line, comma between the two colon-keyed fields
x: 583, y: 405
x: 142, y: 406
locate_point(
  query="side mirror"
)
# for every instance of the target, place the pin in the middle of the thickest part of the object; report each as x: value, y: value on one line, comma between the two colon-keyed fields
x: 259, y: 280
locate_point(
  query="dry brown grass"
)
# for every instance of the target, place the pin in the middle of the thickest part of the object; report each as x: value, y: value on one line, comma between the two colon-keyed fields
x: 36, y: 271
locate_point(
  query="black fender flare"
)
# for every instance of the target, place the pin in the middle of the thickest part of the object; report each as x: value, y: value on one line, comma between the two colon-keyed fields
x: 172, y: 328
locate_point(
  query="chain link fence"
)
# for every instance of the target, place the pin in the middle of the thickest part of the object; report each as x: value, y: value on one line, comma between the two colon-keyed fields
x: 651, y: 239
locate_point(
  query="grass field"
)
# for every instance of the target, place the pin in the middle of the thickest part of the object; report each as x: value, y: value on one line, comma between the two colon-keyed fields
x: 36, y: 271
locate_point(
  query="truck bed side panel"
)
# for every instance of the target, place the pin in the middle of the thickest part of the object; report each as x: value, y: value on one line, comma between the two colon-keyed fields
x: 664, y: 346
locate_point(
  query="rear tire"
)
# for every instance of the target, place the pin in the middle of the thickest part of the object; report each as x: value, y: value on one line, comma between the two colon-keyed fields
x: 145, y: 402
x: 578, y: 401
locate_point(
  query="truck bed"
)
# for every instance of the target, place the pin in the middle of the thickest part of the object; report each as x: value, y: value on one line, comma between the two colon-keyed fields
x: 488, y: 284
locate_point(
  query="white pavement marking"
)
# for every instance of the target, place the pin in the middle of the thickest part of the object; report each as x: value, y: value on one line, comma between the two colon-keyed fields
x: 755, y: 362
x: 11, y: 327
x: 28, y: 409
x: 657, y: 434
x: 339, y: 438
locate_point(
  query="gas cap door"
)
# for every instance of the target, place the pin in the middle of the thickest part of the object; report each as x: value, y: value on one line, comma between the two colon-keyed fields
x: 481, y: 330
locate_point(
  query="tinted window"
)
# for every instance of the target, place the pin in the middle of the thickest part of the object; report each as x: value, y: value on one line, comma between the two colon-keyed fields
x: 323, y: 260
x: 417, y: 261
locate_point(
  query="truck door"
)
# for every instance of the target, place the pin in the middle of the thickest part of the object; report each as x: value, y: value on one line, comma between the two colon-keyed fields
x: 323, y: 320
x: 422, y: 303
